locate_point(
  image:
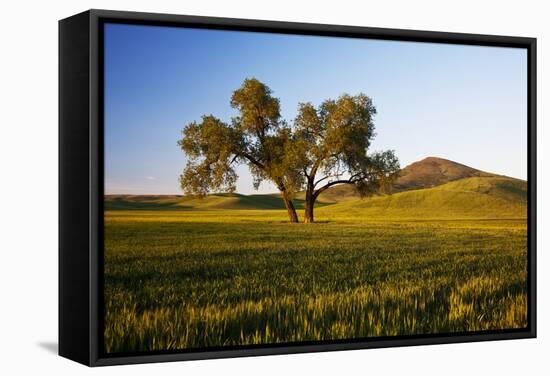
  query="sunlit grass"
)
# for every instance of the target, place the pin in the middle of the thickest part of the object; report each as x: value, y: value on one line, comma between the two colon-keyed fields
x: 191, y: 279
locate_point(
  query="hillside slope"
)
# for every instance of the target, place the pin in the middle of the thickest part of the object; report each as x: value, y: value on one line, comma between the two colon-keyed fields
x: 477, y: 197
x: 432, y: 187
x: 427, y: 173
x: 210, y: 202
x: 219, y: 201
x: 432, y: 171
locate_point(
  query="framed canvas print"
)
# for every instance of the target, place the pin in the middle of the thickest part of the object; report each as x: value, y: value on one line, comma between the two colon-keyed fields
x: 238, y: 187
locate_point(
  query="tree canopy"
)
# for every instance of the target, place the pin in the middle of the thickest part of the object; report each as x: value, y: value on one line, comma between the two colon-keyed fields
x: 325, y: 146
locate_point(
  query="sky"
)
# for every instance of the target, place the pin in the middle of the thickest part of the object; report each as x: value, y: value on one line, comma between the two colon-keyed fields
x: 463, y: 103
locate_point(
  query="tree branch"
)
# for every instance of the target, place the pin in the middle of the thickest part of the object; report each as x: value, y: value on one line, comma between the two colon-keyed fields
x: 314, y: 167
x: 306, y: 174
x: 253, y: 160
x: 327, y: 177
x: 323, y: 178
x: 330, y: 184
x: 317, y: 164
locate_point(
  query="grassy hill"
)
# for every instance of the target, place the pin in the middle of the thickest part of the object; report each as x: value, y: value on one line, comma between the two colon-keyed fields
x: 476, y: 197
x: 210, y: 202
x: 430, y: 188
x: 333, y: 195
x: 219, y: 201
x: 432, y: 171
x: 426, y: 173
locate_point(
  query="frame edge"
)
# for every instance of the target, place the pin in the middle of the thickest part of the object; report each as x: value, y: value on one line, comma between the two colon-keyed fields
x: 95, y: 15
x: 74, y: 246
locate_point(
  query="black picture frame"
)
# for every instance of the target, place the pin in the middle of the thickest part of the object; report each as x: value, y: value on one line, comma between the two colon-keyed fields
x: 81, y: 183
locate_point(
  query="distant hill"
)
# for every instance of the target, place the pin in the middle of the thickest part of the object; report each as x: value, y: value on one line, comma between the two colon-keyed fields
x: 210, y: 202
x: 432, y: 171
x: 426, y: 173
x: 432, y: 187
x: 476, y: 197
x: 333, y: 195
x: 217, y: 201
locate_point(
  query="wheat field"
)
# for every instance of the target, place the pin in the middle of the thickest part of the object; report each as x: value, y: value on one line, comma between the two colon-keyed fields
x: 194, y: 279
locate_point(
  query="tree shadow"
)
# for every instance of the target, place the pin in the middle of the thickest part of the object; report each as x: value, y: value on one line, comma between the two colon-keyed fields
x: 50, y: 347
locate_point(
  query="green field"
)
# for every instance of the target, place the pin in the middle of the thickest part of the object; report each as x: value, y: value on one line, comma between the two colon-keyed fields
x: 187, y: 273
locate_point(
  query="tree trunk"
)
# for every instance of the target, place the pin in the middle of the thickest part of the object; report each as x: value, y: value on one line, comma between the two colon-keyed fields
x: 308, y: 212
x: 291, y: 210
x: 309, y: 203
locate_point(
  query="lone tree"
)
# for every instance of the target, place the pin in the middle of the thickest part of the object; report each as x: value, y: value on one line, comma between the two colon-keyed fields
x: 326, y: 146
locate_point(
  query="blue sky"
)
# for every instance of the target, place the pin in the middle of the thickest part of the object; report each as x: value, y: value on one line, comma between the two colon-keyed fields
x: 464, y: 103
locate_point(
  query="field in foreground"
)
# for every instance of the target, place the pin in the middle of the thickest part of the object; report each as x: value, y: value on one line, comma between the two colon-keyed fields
x: 188, y: 279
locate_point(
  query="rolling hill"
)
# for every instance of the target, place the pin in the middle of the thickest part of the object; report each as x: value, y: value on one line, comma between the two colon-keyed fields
x: 431, y: 188
x: 211, y: 202
x: 426, y: 173
x: 432, y: 171
x: 475, y: 197
x: 217, y: 201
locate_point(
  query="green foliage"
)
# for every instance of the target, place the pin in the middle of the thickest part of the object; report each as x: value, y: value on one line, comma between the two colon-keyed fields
x: 264, y: 138
x: 259, y: 110
x: 256, y: 137
x: 335, y: 138
x: 209, y: 146
x: 337, y: 132
x: 179, y: 280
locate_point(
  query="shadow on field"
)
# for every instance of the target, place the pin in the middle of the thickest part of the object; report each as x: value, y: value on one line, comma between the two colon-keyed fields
x: 50, y: 347
x: 301, y: 223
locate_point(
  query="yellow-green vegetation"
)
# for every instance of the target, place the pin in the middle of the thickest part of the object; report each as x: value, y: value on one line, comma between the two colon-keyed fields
x: 447, y: 259
x: 478, y: 197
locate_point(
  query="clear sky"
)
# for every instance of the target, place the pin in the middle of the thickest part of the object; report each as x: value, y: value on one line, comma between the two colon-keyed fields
x: 464, y: 103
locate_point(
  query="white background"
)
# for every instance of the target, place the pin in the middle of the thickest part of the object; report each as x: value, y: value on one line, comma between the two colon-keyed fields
x: 28, y: 173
